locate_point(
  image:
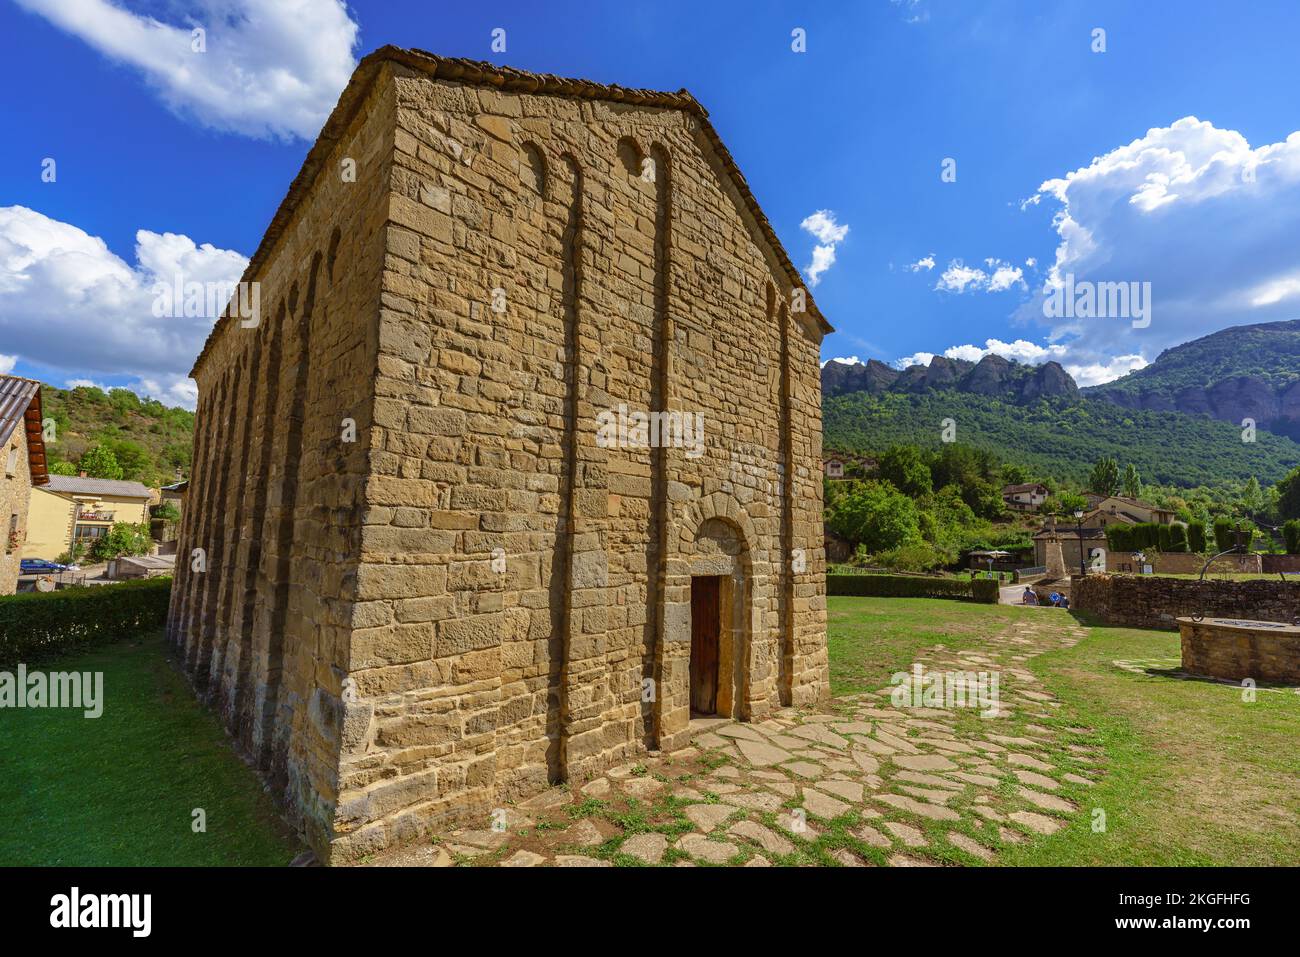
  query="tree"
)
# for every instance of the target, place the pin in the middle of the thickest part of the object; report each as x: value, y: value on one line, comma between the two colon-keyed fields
x: 1291, y: 534
x: 1196, y: 536
x: 1104, y: 479
x: 904, y: 468
x: 134, y: 460
x: 100, y: 462
x: 62, y: 468
x: 1252, y: 498
x: 877, y: 516
x: 1288, y: 494
x: 1132, y: 482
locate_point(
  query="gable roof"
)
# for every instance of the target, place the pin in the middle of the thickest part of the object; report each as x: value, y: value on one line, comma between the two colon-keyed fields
x: 509, y: 80
x: 20, y: 401
x: 1024, y: 487
x: 1127, y: 501
x: 76, y: 485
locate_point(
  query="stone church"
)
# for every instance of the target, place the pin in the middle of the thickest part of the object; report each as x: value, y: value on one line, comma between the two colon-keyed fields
x: 514, y: 464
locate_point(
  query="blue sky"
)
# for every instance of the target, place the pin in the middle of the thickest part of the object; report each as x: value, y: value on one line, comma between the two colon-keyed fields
x: 166, y: 162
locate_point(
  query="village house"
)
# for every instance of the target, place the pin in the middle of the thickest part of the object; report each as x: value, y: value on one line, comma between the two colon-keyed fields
x: 23, y: 447
x: 842, y: 465
x: 75, y: 508
x: 1027, y: 497
x: 1105, y: 509
x: 415, y: 576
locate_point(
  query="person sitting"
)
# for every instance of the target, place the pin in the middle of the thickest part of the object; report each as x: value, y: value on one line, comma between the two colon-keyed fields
x: 1029, y: 598
x: 1064, y: 602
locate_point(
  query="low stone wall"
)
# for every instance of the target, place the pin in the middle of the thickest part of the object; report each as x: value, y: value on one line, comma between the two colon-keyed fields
x: 1190, y: 563
x: 1153, y: 602
x: 1272, y: 564
x: 1236, y: 649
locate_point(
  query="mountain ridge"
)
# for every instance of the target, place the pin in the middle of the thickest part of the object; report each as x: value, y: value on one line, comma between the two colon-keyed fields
x: 1180, y: 419
x: 1242, y: 372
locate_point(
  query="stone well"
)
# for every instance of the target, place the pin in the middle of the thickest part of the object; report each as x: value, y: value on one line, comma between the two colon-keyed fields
x: 1235, y: 649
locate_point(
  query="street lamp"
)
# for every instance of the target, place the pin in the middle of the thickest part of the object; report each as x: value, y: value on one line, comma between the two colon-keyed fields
x: 1078, y: 528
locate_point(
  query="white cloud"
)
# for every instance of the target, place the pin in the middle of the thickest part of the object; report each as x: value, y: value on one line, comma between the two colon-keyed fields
x: 828, y: 234
x: 1095, y: 373
x: 925, y: 263
x: 269, y: 69
x: 958, y: 277
x: 7, y: 364
x: 69, y: 303
x: 1030, y: 353
x: 1021, y: 350
x: 1193, y: 209
x: 1005, y: 276
x: 844, y: 360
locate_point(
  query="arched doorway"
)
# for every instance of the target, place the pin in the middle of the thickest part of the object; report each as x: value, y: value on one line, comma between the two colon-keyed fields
x: 720, y: 600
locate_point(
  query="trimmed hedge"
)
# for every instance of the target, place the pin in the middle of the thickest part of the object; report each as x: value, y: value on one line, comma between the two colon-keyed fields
x: 38, y: 625
x: 905, y: 586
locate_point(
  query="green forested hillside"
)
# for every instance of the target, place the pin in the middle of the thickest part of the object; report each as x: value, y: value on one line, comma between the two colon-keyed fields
x: 1062, y: 439
x: 117, y: 434
x: 1269, y: 352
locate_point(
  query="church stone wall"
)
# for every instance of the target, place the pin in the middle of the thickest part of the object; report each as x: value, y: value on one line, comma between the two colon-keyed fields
x: 489, y: 590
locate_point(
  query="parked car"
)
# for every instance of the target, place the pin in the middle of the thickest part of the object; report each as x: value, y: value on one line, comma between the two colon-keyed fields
x: 37, y: 566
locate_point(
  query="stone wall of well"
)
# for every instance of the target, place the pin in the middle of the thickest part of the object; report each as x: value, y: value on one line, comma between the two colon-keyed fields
x: 276, y: 502
x: 522, y: 583
x: 1153, y: 602
x: 1236, y: 652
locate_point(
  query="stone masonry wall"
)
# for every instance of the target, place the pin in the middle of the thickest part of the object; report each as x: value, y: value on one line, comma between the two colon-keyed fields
x: 1229, y: 650
x: 521, y: 580
x: 15, y: 492
x: 483, y: 595
x: 1153, y: 602
x: 275, y: 499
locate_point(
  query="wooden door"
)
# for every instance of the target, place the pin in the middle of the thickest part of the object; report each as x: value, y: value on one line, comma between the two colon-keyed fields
x: 706, y: 632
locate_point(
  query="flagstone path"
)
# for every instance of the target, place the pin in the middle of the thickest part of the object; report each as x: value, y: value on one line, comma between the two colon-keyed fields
x: 860, y: 783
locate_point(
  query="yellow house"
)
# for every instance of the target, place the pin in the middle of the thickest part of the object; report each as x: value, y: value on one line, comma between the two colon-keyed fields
x: 76, y: 508
x: 22, y: 468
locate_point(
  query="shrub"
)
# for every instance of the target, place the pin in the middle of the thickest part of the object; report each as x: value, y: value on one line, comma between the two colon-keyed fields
x: 124, y: 538
x: 1177, y: 538
x: 1196, y: 536
x: 899, y: 586
x: 1223, y: 539
x: 919, y: 557
x: 1119, y: 539
x: 36, y: 625
x: 1291, y: 534
x: 1164, y: 538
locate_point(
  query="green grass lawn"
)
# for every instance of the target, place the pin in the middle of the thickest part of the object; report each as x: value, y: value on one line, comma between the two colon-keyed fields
x: 1194, y: 774
x: 870, y: 639
x: 121, y: 789
x: 1197, y: 775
